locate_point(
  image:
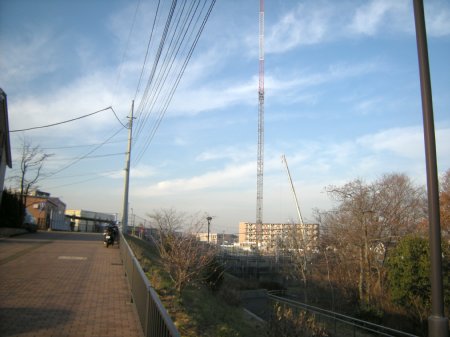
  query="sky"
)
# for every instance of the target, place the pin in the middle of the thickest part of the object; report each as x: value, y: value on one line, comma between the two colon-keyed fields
x: 342, y: 101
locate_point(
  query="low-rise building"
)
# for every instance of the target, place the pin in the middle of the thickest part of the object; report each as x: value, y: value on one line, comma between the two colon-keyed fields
x: 89, y: 221
x: 204, y: 237
x: 48, y: 211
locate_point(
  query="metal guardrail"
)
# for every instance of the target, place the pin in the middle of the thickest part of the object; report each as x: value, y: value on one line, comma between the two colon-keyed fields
x: 155, y: 320
x: 353, y: 324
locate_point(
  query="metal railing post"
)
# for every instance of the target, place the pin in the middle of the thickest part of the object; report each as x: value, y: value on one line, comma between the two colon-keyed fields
x: 154, y: 319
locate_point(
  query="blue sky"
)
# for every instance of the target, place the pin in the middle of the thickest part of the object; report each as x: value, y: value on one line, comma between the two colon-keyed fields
x: 342, y: 102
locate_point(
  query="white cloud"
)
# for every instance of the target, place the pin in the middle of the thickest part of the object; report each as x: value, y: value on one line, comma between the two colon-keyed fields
x: 398, y: 17
x: 83, y: 96
x: 437, y: 18
x: 371, y: 16
x: 306, y: 24
x: 323, y: 21
x: 228, y: 177
x: 403, y: 142
x: 141, y: 171
x: 215, y: 96
x: 234, y: 154
x: 393, y: 150
x: 27, y: 57
x: 285, y: 87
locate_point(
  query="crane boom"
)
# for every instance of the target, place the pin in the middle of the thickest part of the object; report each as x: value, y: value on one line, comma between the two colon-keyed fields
x: 300, y: 219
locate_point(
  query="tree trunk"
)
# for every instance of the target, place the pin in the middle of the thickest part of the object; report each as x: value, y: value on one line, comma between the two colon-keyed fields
x: 361, y: 275
x: 367, y: 269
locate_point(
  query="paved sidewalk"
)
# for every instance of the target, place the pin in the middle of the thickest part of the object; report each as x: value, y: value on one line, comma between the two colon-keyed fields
x: 64, y: 285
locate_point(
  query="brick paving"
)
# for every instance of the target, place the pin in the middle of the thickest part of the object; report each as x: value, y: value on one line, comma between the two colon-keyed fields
x: 64, y: 285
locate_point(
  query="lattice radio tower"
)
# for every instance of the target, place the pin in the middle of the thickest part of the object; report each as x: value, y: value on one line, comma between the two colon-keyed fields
x: 260, y: 165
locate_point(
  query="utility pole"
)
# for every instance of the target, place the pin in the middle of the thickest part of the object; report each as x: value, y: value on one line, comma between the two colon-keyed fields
x: 127, y: 173
x: 437, y: 322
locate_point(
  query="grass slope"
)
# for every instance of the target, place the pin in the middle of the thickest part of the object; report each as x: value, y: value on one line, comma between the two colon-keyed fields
x: 198, y: 311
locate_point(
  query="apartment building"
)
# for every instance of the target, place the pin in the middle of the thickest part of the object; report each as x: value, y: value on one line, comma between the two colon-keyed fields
x: 269, y: 236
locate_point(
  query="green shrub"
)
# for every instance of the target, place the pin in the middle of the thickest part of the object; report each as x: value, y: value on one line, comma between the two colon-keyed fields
x: 409, y: 275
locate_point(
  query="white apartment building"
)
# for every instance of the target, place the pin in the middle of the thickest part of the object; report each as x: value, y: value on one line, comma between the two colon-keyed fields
x: 269, y: 236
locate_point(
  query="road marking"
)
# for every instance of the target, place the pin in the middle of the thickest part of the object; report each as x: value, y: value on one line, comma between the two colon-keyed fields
x: 79, y: 258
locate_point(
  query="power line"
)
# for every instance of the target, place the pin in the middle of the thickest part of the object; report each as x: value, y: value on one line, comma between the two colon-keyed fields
x: 82, y: 157
x: 148, y: 47
x: 167, y: 64
x: 74, y: 183
x: 83, y: 175
x: 118, y: 118
x: 105, y: 155
x: 155, y: 63
x: 67, y: 121
x: 171, y: 93
x: 119, y: 73
x: 160, y: 80
x: 74, y: 146
x: 88, y: 157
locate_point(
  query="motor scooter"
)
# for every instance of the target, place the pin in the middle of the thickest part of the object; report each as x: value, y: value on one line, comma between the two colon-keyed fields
x: 108, y: 237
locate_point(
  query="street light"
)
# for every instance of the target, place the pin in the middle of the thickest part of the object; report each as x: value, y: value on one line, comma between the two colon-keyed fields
x: 437, y: 322
x: 209, y: 223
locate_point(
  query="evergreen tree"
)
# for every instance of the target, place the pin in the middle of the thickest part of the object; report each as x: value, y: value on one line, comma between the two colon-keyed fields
x: 409, y: 275
x: 10, y: 210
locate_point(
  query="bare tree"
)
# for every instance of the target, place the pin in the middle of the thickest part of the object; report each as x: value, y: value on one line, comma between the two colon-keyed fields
x: 366, y: 222
x: 400, y: 209
x: 298, y: 247
x: 184, y: 258
x: 29, y: 173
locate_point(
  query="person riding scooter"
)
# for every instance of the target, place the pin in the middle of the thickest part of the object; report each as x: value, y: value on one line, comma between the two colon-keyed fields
x: 109, y: 236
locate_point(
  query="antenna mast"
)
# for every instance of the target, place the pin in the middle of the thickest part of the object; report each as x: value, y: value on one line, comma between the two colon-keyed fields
x: 260, y: 164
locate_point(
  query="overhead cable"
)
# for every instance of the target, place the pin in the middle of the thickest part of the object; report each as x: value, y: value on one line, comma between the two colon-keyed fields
x: 75, y: 146
x: 157, y: 57
x: 166, y: 66
x: 86, y: 174
x: 171, y: 93
x: 150, y: 39
x: 119, y: 72
x: 56, y: 159
x: 81, y: 157
x: 118, y: 118
x: 74, y: 183
x: 67, y: 121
